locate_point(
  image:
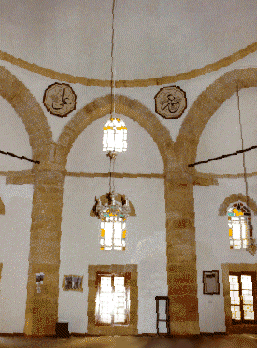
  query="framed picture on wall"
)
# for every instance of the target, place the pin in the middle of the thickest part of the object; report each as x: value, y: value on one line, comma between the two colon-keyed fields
x: 72, y: 282
x: 211, y: 283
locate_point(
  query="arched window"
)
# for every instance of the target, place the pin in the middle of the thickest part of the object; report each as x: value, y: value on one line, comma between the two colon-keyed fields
x: 115, y: 135
x: 239, y: 222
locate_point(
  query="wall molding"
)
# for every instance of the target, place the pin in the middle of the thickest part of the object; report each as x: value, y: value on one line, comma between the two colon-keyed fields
x: 224, y: 62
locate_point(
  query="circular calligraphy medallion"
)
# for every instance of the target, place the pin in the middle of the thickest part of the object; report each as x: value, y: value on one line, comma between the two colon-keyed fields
x: 60, y: 99
x: 170, y: 102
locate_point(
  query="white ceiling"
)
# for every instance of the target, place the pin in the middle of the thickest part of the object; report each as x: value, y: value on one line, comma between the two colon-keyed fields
x: 153, y: 38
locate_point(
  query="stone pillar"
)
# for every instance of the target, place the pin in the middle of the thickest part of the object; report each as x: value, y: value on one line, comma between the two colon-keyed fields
x: 42, y: 308
x: 181, y: 258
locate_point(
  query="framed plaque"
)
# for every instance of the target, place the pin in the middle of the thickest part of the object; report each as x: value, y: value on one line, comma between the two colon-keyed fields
x: 211, y: 283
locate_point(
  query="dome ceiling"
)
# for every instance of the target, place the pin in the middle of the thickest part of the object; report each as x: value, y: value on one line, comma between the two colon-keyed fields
x: 153, y: 38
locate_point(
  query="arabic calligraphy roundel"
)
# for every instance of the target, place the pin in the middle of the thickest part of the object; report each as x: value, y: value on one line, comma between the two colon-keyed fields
x: 59, y: 99
x: 170, y: 102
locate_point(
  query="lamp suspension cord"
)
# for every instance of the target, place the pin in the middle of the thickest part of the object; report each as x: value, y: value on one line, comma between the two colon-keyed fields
x: 110, y: 178
x: 112, y: 64
x: 113, y: 172
x: 241, y: 132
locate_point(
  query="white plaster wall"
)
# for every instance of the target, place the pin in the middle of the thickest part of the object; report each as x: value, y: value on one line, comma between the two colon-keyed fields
x: 152, y: 38
x: 212, y: 245
x: 14, y: 138
x: 16, y: 223
x: 145, y: 245
x: 222, y: 135
x: 142, y: 155
x: 14, y: 252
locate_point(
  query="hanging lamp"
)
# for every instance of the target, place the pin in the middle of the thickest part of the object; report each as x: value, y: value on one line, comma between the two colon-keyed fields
x: 115, y: 131
x: 114, y: 209
x: 251, y: 244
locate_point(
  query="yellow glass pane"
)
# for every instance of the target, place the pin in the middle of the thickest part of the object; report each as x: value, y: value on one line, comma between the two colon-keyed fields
x: 246, y: 281
x: 248, y: 312
x: 248, y: 300
x: 234, y: 296
x: 236, y: 314
x: 124, y: 234
x: 233, y: 279
x: 237, y: 212
x: 230, y: 232
x: 102, y: 232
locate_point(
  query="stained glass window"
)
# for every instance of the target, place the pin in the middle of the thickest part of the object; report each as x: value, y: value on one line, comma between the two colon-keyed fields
x: 239, y: 223
x: 115, y: 136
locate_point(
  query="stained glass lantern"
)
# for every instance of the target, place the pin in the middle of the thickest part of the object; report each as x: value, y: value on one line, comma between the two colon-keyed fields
x: 113, y: 233
x: 113, y: 222
x: 115, y: 136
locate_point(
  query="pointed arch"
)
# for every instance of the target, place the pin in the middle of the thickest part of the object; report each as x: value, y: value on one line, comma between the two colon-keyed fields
x: 29, y: 110
x: 128, y: 107
x: 205, y: 106
x: 234, y: 198
x: 2, y: 207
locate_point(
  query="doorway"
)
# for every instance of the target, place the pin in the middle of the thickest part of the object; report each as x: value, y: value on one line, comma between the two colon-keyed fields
x: 240, y: 297
x: 112, y: 299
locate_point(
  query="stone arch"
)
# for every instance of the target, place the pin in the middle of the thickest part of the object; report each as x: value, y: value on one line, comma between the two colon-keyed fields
x: 205, y: 106
x: 128, y: 107
x: 29, y: 110
x: 234, y: 198
x: 2, y: 207
x: 178, y: 194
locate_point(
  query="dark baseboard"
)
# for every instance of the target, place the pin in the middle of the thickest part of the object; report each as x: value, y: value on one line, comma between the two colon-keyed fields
x: 11, y: 334
x: 213, y: 333
x: 75, y: 334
